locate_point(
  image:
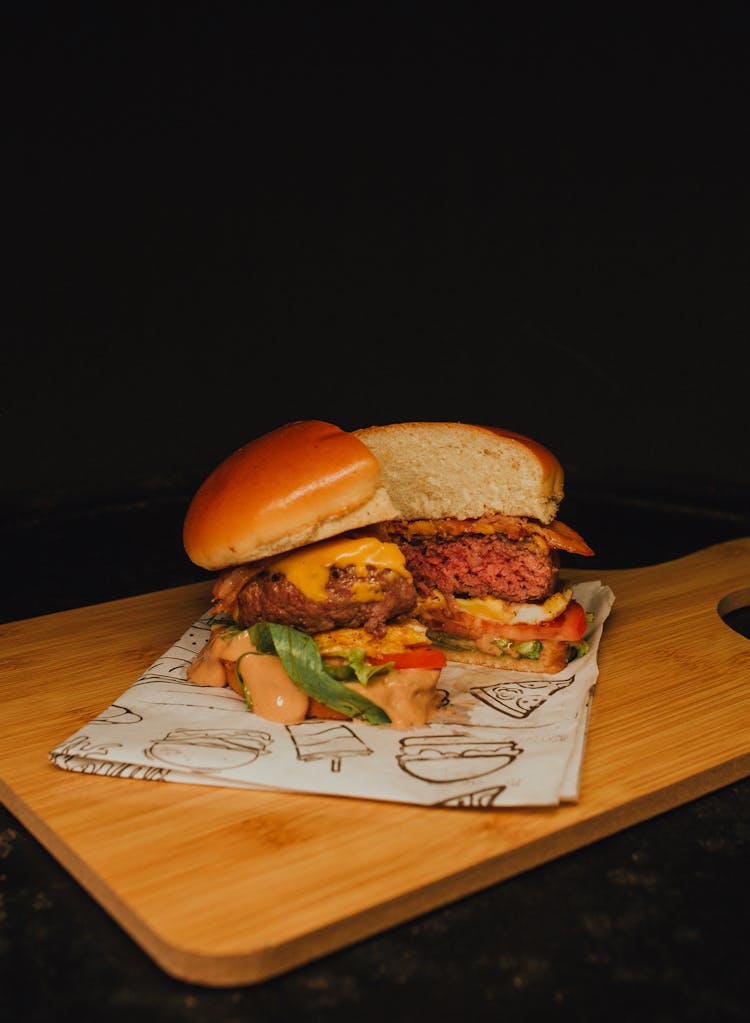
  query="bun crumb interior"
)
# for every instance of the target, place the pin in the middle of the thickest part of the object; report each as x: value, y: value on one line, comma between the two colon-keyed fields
x: 460, y: 470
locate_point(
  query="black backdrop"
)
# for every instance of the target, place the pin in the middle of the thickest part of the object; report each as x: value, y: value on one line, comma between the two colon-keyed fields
x: 218, y: 223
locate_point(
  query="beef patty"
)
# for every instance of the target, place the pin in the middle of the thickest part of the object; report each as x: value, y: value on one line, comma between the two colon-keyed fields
x: 474, y: 565
x: 270, y: 597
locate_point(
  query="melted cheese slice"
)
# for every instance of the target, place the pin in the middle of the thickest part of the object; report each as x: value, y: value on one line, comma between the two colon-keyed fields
x: 510, y: 613
x: 310, y: 567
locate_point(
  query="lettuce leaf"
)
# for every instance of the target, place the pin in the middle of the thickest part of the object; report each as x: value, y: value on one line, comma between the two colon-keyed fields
x: 303, y: 663
x: 355, y: 669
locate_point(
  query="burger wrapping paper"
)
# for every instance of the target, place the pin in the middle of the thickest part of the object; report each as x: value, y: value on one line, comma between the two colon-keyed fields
x: 500, y: 738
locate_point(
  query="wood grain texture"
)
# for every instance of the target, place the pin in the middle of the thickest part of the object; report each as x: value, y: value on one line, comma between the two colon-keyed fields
x: 224, y: 886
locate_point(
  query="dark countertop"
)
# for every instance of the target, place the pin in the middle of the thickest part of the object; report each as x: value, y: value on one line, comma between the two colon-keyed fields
x: 649, y: 924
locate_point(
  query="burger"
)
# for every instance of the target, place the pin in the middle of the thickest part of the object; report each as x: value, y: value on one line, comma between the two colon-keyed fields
x: 312, y: 612
x: 477, y: 525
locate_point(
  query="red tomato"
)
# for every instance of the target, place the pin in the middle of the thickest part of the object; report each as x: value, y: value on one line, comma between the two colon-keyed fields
x: 418, y: 657
x: 570, y: 625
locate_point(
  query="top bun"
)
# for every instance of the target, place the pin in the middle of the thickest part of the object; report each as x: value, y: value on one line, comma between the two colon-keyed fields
x: 302, y: 482
x: 462, y: 471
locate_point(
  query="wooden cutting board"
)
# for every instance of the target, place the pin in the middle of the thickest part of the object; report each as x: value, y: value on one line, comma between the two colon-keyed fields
x: 224, y: 886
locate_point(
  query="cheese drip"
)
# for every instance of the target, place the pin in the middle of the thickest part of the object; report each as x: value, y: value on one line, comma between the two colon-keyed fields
x: 309, y: 568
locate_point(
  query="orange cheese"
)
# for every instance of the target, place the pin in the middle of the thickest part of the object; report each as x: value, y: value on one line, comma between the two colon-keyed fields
x: 309, y: 568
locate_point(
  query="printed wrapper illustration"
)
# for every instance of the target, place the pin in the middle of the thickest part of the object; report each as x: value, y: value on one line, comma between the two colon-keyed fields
x: 500, y: 738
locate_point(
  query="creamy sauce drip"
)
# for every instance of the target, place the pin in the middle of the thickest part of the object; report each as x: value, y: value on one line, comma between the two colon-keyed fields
x: 408, y: 696
x: 272, y: 693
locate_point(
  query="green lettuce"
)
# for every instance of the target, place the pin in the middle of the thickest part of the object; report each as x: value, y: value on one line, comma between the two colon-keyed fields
x: 303, y: 663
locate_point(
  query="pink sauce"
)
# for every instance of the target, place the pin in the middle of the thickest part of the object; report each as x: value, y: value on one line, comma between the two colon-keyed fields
x: 409, y: 696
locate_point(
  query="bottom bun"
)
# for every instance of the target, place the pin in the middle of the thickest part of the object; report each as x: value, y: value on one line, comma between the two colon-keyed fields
x: 554, y: 656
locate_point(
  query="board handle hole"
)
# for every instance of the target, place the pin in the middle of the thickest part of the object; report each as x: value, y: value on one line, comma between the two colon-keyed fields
x: 734, y: 610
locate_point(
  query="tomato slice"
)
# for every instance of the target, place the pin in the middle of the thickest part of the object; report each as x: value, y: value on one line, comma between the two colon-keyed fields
x: 570, y: 625
x: 418, y: 657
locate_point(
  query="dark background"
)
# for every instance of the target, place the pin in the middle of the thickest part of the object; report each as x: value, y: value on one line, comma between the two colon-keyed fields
x: 222, y: 218
x: 220, y: 222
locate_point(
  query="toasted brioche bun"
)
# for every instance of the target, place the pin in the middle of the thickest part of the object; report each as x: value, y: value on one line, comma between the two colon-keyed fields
x: 302, y: 482
x: 463, y: 471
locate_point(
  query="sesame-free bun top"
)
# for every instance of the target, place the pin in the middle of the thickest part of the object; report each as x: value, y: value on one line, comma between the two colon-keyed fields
x: 302, y: 482
x: 464, y: 471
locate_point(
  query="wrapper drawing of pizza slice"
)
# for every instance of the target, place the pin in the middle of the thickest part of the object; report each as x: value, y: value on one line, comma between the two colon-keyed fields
x: 499, y: 739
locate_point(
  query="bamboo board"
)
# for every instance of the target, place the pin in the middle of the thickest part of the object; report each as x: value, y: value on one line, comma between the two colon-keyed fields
x: 224, y: 887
